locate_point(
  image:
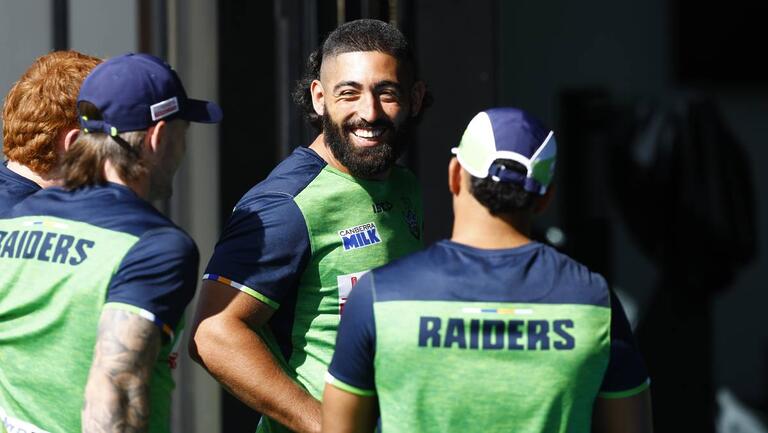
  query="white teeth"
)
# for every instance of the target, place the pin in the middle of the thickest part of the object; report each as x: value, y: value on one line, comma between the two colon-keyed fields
x: 368, y: 133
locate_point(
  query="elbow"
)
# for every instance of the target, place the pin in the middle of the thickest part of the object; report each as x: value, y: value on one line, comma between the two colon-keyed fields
x: 208, y: 339
x: 193, y: 351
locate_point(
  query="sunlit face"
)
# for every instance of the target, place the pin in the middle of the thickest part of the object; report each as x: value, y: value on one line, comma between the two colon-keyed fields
x: 365, y: 107
x: 169, y: 155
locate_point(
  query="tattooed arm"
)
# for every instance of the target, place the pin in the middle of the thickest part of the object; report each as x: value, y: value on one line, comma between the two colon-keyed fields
x: 117, y: 393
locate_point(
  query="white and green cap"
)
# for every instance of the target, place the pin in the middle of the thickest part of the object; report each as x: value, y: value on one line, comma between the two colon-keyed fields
x: 509, y: 133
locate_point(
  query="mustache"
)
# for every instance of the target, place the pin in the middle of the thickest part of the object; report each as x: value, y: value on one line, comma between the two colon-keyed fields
x: 360, y: 123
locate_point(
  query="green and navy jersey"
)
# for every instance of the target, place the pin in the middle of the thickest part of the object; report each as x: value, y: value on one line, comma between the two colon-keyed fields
x: 460, y: 339
x: 298, y: 242
x: 66, y: 256
x: 13, y: 188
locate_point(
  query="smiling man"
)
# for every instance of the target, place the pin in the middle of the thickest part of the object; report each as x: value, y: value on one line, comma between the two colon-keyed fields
x: 297, y: 242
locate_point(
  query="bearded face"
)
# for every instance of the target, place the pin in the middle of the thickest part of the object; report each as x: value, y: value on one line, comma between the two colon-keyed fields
x: 364, y: 161
x: 366, y: 102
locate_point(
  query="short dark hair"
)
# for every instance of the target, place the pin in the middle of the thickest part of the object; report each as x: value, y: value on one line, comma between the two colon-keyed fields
x: 502, y: 197
x: 358, y: 35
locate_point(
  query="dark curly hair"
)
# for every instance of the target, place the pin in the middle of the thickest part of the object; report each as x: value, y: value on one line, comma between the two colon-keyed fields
x: 502, y: 197
x: 358, y: 35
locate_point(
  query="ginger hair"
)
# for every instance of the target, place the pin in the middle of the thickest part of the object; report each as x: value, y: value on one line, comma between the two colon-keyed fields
x: 41, y: 106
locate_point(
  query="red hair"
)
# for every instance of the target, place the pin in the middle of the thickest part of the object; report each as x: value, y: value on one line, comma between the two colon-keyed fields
x: 41, y: 105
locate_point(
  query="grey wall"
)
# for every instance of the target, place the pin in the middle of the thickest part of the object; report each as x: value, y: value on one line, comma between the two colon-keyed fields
x: 25, y: 34
x: 103, y: 28
x: 553, y: 45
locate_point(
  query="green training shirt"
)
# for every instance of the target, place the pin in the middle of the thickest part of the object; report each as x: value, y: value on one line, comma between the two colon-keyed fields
x: 66, y: 256
x: 299, y: 241
x: 460, y: 339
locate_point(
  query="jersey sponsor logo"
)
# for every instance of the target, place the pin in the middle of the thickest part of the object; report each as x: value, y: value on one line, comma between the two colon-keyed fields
x: 345, y: 284
x: 14, y: 425
x: 44, y: 246
x: 383, y: 206
x: 411, y: 219
x: 491, y: 334
x: 360, y: 236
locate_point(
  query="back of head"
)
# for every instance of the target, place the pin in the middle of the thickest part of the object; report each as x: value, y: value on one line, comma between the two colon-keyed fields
x: 359, y: 35
x: 83, y: 163
x: 118, y: 103
x: 41, y: 105
x: 510, y: 156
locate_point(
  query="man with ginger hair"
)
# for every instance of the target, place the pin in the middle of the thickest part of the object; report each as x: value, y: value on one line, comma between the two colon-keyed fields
x: 39, y: 118
x: 94, y: 279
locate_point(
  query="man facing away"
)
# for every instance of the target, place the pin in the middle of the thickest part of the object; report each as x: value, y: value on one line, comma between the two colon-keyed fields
x: 488, y: 331
x: 95, y: 280
x: 298, y: 241
x: 39, y: 120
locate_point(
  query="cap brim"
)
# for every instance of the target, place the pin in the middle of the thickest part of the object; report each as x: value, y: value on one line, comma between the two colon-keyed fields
x: 202, y: 111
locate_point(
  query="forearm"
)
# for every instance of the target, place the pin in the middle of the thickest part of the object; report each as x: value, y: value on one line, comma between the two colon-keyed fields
x: 117, y: 392
x: 109, y: 408
x: 240, y: 360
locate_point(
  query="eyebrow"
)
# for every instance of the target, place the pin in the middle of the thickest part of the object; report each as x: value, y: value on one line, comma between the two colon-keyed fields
x: 377, y: 86
x: 354, y: 84
x: 382, y: 84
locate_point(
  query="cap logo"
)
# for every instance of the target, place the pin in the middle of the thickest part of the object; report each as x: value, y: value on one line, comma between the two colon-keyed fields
x: 164, y: 109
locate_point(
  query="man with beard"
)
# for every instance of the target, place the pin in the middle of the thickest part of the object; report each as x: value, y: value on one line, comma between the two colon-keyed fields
x: 94, y: 279
x: 297, y: 242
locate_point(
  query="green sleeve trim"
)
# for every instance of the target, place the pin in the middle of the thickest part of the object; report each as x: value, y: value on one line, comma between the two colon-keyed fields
x: 331, y: 380
x: 242, y: 288
x: 626, y: 393
x: 167, y: 330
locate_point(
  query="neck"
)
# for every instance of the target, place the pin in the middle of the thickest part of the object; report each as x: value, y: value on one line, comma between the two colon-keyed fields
x: 45, y: 181
x: 141, y: 188
x: 476, y: 227
x: 324, y: 150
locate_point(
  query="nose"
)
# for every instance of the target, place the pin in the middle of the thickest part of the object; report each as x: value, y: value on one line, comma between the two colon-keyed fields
x: 369, y: 107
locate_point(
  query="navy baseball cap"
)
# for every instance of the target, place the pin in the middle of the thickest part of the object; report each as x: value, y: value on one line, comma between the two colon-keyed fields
x: 134, y: 91
x: 508, y: 133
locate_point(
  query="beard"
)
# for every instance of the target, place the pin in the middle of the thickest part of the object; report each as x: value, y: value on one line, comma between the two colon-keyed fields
x: 364, y: 162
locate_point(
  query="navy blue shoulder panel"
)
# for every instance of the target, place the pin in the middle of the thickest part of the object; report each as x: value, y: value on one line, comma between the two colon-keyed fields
x: 13, y: 188
x: 265, y: 243
x: 533, y: 273
x: 110, y: 206
x: 289, y: 178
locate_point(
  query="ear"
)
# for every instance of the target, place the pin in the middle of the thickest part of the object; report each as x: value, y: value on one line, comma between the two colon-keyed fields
x: 155, y: 134
x: 418, y: 90
x: 454, y: 176
x: 318, y: 96
x: 542, y: 203
x: 70, y: 138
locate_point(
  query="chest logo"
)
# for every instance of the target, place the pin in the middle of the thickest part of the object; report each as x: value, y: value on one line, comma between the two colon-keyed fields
x: 383, y: 206
x: 360, y: 236
x: 346, y: 282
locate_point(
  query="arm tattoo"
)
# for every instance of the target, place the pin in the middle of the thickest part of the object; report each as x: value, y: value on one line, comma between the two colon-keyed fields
x: 117, y: 394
